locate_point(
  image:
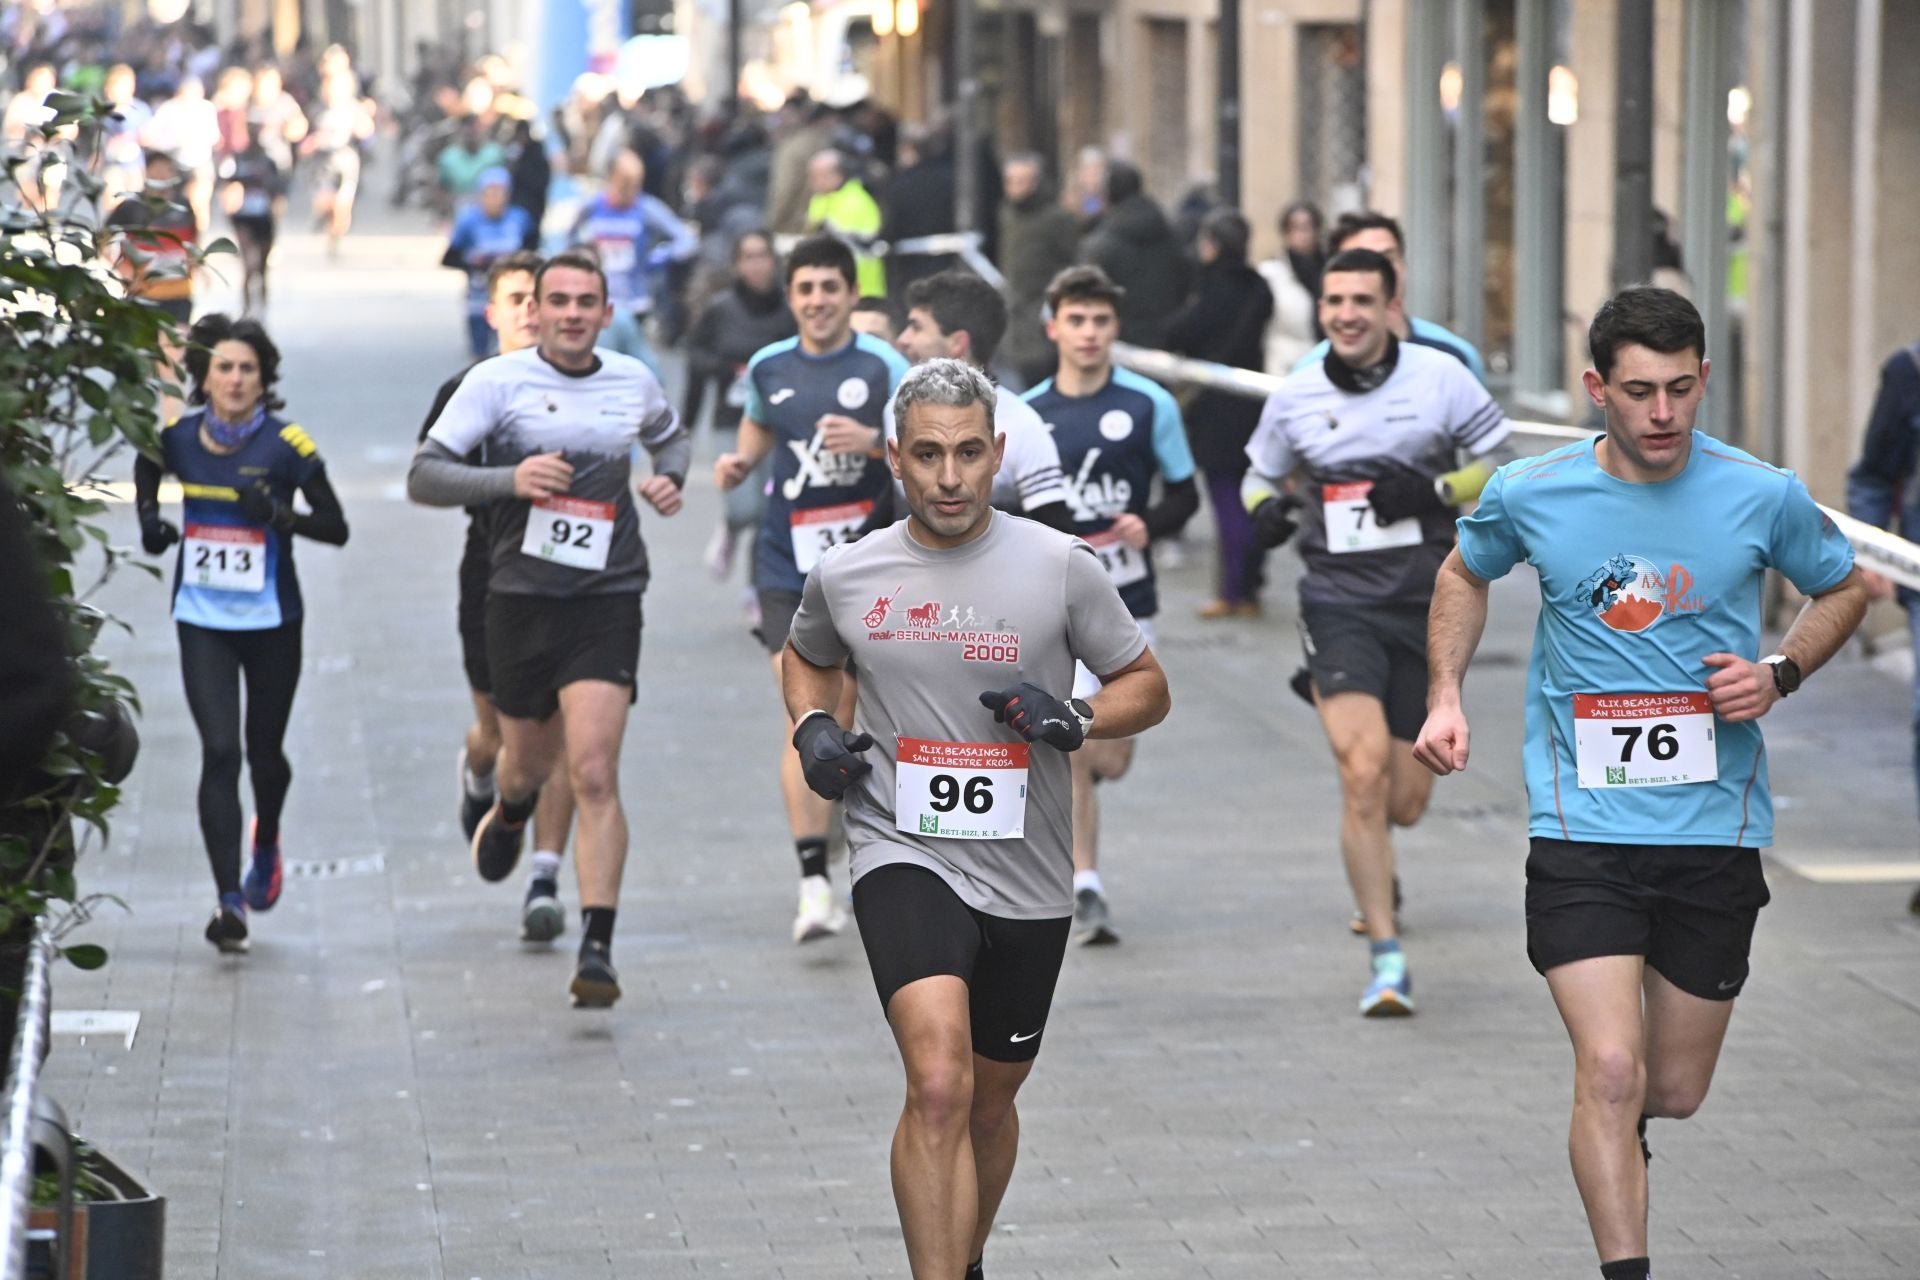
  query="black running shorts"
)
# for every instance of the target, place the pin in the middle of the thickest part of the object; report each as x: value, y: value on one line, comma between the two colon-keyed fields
x: 537, y: 645
x: 1689, y: 909
x: 913, y: 926
x: 776, y: 617
x: 1376, y: 649
x: 476, y: 565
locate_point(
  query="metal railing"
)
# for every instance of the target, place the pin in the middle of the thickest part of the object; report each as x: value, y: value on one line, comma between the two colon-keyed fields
x: 23, y: 1085
x: 1876, y: 549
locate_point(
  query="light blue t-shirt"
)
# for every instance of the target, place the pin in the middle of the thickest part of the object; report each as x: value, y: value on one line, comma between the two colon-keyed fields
x: 1638, y: 584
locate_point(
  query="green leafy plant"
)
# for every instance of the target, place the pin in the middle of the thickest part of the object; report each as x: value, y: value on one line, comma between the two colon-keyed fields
x: 83, y: 376
x: 88, y: 1183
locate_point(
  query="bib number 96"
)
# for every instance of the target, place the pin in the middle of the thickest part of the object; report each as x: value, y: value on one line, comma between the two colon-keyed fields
x: 961, y: 790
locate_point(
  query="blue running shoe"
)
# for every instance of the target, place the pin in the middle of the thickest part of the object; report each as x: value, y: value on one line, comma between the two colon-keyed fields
x: 1390, y: 994
x: 261, y: 884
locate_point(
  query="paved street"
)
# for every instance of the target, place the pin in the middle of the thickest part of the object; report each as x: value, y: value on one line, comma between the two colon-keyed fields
x: 392, y: 1086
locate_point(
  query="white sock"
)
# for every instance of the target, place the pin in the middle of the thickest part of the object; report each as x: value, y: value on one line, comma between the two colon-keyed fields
x: 546, y: 865
x: 478, y: 785
x: 1088, y: 880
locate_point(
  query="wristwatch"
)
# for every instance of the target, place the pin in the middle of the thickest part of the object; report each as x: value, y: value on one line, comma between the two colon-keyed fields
x: 1082, y: 712
x: 1786, y: 673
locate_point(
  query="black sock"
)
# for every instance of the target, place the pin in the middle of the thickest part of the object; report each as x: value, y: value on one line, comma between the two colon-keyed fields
x: 598, y: 922
x: 813, y: 855
x: 973, y: 1270
x: 1627, y: 1269
x: 515, y: 812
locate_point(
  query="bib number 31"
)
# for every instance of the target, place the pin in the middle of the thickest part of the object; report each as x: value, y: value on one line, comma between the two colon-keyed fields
x: 1644, y: 739
x: 961, y: 790
x: 569, y: 531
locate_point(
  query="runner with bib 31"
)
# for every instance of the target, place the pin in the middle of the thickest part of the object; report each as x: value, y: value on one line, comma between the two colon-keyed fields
x: 1646, y: 772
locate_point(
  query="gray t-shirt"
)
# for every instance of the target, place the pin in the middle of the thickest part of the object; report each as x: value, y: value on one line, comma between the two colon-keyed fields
x: 934, y: 629
x: 513, y: 407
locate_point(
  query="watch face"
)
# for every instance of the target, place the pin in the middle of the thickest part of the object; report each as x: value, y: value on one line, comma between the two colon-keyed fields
x: 1081, y: 709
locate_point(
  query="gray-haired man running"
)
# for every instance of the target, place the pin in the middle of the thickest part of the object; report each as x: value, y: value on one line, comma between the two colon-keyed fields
x: 967, y: 622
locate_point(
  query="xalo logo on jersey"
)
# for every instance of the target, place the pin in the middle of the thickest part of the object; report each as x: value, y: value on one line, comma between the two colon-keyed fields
x: 1091, y: 497
x: 821, y: 468
x: 1629, y: 594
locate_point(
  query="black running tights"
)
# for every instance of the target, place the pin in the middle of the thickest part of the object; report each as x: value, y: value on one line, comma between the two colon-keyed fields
x: 212, y: 664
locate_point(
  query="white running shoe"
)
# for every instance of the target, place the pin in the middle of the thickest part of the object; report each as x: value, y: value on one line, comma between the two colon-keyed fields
x: 820, y: 915
x: 718, y: 557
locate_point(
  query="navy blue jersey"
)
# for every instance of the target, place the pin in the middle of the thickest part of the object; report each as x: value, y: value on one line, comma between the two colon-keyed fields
x: 818, y: 498
x: 232, y: 574
x: 1111, y: 444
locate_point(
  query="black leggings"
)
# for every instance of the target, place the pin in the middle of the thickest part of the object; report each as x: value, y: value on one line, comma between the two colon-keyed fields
x: 211, y: 664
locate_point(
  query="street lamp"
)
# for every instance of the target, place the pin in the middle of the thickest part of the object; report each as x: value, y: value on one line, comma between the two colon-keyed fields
x: 906, y: 17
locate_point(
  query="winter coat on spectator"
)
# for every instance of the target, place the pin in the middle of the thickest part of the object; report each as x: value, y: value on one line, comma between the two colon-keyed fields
x: 1137, y: 247
x: 1038, y: 237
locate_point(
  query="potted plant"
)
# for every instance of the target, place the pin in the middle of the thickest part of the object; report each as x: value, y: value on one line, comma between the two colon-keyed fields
x: 119, y: 1227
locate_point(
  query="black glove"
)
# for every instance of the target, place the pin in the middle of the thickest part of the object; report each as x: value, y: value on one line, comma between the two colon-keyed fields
x: 259, y: 506
x: 1036, y: 715
x: 1273, y: 520
x: 156, y: 535
x: 827, y: 755
x: 1402, y: 494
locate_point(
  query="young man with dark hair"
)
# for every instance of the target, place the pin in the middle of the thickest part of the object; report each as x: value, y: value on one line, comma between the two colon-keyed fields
x: 1646, y: 771
x: 814, y: 403
x: 558, y: 422
x: 1116, y: 432
x: 1368, y: 229
x: 957, y: 786
x: 956, y: 315
x: 1361, y: 452
x: 509, y: 315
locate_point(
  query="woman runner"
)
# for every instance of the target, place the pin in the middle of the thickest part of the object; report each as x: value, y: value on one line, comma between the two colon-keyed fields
x: 235, y: 596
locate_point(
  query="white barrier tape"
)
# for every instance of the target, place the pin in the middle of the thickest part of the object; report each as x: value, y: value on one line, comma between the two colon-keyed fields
x: 1884, y: 553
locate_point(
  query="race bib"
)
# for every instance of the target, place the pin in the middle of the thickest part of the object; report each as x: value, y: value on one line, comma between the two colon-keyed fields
x: 1644, y: 739
x: 1353, y: 526
x: 616, y: 256
x: 569, y: 531
x: 224, y: 557
x: 817, y: 528
x: 1124, y: 564
x: 961, y: 790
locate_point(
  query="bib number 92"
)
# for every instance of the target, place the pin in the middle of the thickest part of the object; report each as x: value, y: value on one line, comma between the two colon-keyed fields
x: 569, y: 531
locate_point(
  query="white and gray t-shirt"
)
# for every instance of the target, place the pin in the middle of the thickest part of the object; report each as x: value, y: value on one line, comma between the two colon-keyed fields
x: 1429, y: 409
x: 931, y: 631
x: 516, y: 406
x: 1029, y: 474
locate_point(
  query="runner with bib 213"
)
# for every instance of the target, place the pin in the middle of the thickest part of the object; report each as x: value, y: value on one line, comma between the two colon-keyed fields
x: 1646, y: 771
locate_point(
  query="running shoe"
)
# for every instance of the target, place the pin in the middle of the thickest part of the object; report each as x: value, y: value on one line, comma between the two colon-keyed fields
x: 496, y: 845
x: 819, y: 915
x: 1301, y: 682
x: 1092, y: 922
x: 542, y: 918
x: 1359, y: 922
x: 227, y: 930
x: 472, y: 807
x: 718, y: 557
x: 1390, y: 994
x: 261, y: 885
x: 595, y: 984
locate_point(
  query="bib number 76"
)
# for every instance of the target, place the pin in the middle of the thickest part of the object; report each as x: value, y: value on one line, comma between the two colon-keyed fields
x: 1662, y: 744
x: 945, y: 793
